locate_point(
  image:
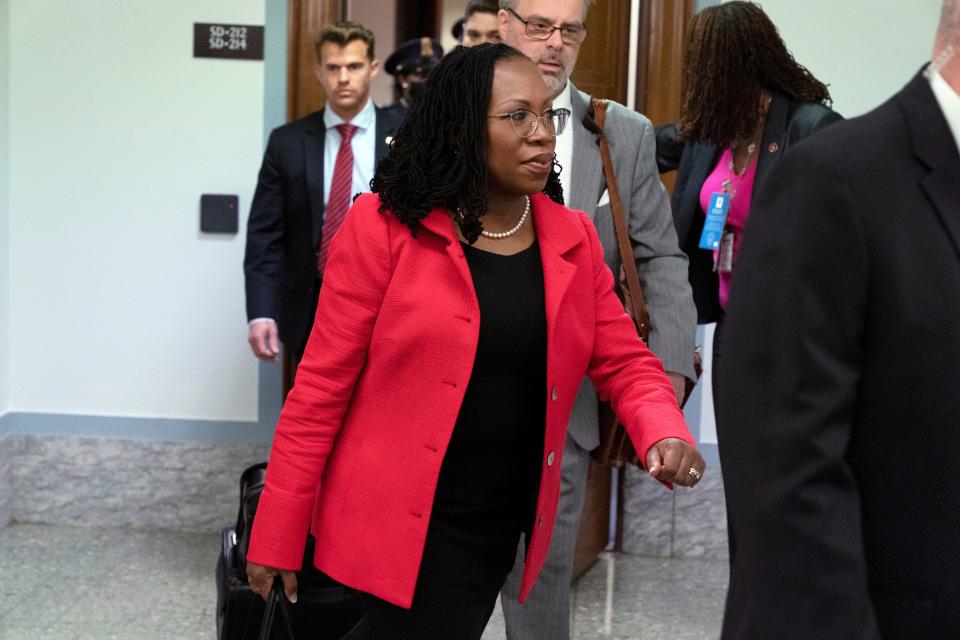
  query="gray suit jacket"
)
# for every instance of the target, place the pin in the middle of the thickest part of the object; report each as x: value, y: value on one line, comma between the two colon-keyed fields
x: 661, y: 263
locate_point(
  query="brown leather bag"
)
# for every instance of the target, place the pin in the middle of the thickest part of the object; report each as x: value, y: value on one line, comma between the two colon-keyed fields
x: 616, y: 448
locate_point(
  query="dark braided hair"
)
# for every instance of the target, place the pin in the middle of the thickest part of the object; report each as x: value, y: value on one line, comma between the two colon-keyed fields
x: 733, y: 52
x: 439, y: 155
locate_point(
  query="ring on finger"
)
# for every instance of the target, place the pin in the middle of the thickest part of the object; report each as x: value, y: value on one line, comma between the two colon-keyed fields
x: 693, y: 473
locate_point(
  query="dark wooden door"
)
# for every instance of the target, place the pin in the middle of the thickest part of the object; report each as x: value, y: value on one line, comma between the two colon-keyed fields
x: 603, y: 65
x: 659, y: 74
x: 307, y: 18
x: 419, y: 19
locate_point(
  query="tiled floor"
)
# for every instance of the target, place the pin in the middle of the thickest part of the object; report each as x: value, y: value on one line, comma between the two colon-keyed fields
x: 62, y: 583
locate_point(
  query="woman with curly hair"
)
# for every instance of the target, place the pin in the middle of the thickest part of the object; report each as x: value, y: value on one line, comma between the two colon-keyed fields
x: 461, y: 307
x: 745, y: 101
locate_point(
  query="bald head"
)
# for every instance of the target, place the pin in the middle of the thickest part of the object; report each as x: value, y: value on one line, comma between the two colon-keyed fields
x: 949, y: 22
x: 946, y: 50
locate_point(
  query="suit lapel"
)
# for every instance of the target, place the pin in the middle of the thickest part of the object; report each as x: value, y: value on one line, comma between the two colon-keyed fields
x: 586, y: 181
x: 934, y: 146
x: 313, y: 149
x: 557, y: 233
x: 439, y: 223
x: 774, y: 134
x: 943, y: 189
x: 705, y: 157
x: 382, y: 132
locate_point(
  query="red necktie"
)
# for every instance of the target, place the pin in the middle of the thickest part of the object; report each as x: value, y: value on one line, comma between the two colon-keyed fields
x: 339, y: 201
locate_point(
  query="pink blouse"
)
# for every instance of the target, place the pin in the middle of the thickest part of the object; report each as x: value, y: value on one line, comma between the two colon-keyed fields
x: 742, y: 189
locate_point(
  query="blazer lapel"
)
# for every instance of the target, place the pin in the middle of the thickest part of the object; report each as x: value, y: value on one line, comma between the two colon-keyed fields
x: 382, y: 133
x: 705, y: 157
x: 774, y: 134
x: 586, y: 181
x: 558, y: 231
x: 934, y: 146
x: 439, y: 223
x: 313, y: 148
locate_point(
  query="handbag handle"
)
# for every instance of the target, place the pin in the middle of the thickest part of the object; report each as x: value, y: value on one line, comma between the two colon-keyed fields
x: 598, y: 114
x: 277, y: 600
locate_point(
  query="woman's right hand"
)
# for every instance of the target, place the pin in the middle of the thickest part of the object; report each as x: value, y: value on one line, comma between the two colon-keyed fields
x: 261, y: 580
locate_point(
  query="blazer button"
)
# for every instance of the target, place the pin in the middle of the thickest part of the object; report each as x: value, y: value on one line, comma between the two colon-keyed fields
x: 554, y: 394
x: 550, y: 459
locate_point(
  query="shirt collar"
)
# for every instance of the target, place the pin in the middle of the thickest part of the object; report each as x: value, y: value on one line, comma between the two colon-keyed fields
x: 949, y: 102
x: 363, y: 120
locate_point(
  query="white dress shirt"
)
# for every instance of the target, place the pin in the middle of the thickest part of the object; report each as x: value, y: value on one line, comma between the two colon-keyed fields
x: 564, y: 148
x: 363, y: 143
x: 949, y: 102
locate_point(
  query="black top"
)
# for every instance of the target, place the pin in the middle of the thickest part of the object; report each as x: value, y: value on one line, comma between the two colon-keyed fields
x: 490, y: 476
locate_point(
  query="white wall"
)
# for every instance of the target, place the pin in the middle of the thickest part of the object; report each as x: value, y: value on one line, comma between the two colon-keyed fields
x: 118, y: 305
x: 865, y: 50
x: 453, y: 10
x: 4, y: 205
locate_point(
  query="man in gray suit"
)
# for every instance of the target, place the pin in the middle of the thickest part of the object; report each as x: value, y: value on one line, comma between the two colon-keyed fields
x: 550, y: 33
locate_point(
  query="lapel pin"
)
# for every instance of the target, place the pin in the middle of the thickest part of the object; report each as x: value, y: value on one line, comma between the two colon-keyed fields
x: 773, y: 148
x: 388, y: 140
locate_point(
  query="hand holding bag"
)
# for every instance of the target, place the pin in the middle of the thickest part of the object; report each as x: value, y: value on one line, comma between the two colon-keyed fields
x: 276, y: 603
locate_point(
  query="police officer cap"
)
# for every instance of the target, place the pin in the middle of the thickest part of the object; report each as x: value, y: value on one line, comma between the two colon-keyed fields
x: 420, y: 54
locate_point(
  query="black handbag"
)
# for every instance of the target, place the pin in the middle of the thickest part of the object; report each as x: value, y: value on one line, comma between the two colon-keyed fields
x: 325, y: 609
x: 276, y: 602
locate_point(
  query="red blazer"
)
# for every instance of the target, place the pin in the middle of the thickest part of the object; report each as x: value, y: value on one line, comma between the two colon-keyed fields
x: 358, y: 448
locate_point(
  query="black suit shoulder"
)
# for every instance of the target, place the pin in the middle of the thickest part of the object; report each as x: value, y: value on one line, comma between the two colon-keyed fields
x: 296, y: 129
x: 391, y: 117
x: 806, y: 118
x: 858, y: 149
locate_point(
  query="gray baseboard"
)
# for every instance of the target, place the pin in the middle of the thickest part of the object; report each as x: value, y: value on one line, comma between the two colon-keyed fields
x: 99, y: 482
x: 683, y: 523
x: 6, y: 481
x: 193, y: 486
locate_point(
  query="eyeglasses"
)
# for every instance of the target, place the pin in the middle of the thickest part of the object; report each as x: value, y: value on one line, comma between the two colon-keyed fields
x: 525, y: 122
x: 539, y: 30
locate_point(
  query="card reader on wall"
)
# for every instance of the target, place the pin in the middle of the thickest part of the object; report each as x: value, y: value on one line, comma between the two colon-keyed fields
x: 218, y: 213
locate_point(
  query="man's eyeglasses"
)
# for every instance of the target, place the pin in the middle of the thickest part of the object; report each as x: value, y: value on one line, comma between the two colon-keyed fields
x: 525, y: 122
x: 540, y: 30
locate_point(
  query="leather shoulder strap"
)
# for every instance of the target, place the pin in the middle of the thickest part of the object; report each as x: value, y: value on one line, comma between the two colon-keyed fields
x: 598, y: 110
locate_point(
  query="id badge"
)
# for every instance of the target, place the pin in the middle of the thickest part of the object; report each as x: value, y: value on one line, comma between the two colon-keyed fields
x: 724, y: 262
x: 716, y: 220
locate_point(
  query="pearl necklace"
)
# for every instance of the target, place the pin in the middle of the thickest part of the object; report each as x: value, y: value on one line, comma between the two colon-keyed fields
x: 507, y: 234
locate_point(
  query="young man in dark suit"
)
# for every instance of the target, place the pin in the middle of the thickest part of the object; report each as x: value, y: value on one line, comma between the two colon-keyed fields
x: 311, y: 170
x: 839, y: 423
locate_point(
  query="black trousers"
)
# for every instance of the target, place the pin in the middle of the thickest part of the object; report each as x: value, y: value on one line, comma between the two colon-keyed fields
x: 715, y: 376
x: 457, y: 589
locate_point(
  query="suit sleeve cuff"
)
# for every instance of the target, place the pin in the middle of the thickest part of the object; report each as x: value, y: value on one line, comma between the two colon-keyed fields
x: 280, y: 531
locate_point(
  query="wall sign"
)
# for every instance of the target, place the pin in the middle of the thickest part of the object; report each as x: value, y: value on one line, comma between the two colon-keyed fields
x: 237, y: 41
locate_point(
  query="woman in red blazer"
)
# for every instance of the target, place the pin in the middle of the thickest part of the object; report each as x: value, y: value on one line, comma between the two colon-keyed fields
x: 461, y: 309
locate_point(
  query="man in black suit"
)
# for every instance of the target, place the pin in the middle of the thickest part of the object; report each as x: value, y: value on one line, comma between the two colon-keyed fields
x: 840, y: 424
x: 311, y: 170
